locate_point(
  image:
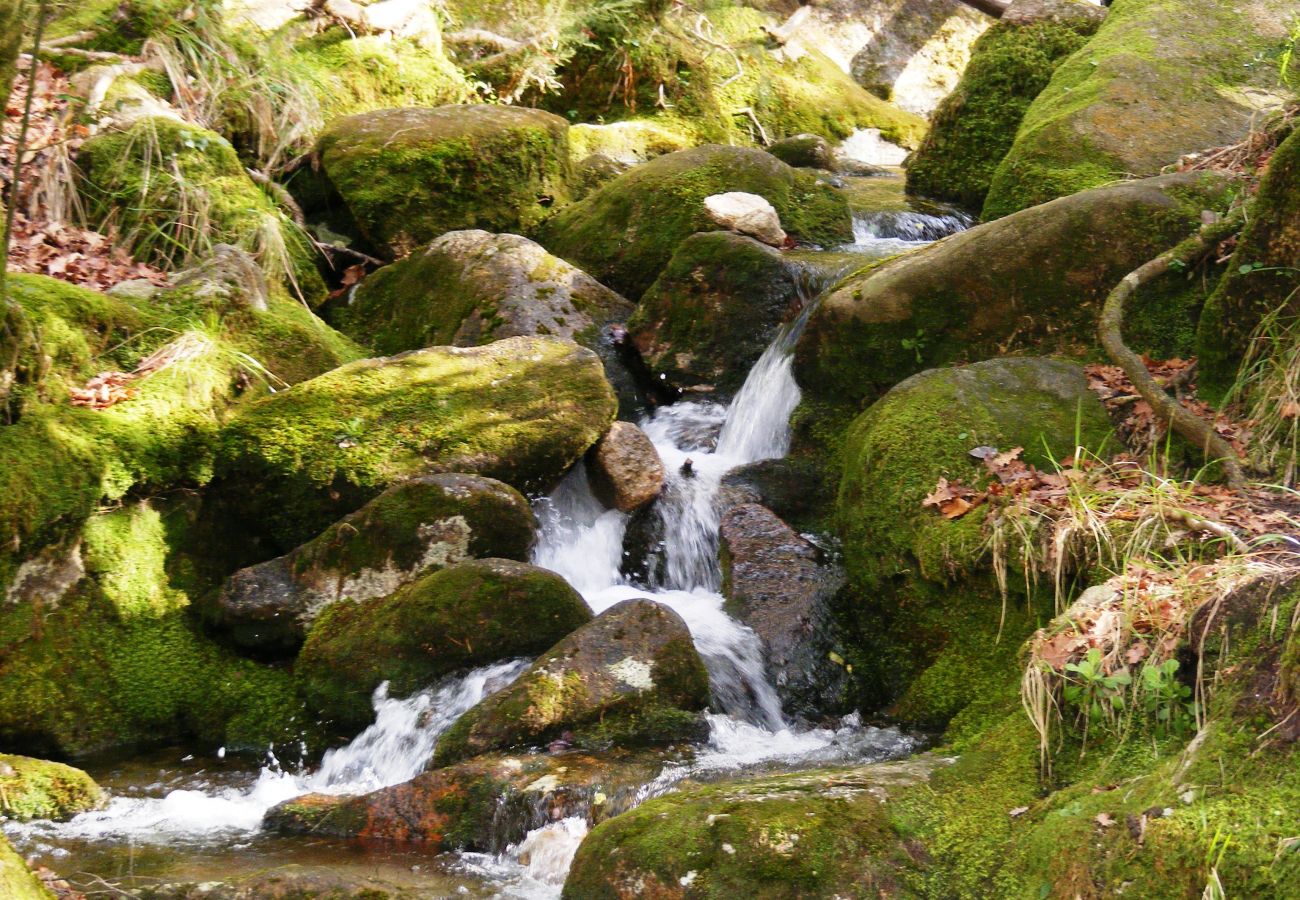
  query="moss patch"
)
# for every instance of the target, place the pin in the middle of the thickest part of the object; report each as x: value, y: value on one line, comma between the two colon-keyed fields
x: 36, y: 789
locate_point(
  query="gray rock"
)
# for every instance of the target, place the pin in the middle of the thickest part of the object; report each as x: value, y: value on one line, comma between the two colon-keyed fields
x: 624, y: 468
x: 811, y: 151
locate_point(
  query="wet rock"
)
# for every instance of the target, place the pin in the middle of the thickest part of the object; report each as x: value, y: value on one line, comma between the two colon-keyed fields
x: 409, y: 175
x: 36, y: 789
x: 714, y: 309
x: 626, y: 231
x: 291, y: 882
x: 469, y: 614
x: 823, y: 833
x: 796, y: 490
x: 624, y: 468
x: 778, y: 584
x: 630, y: 676
x: 804, y: 151
x: 522, y: 410
x: 747, y: 214
x: 481, y: 804
x: 409, y: 530
x: 1156, y: 82
x: 976, y: 124
x: 969, y: 297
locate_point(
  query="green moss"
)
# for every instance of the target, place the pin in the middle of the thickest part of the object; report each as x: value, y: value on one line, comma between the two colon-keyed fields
x: 1261, y: 279
x: 120, y: 26
x: 1161, y: 78
x: 974, y: 127
x: 409, y: 175
x: 36, y: 789
x: 17, y: 881
x: 521, y: 410
x: 174, y: 190
x: 470, y: 614
x: 626, y: 232
x: 114, y: 660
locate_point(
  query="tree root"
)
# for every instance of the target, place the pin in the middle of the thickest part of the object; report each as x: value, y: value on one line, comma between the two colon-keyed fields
x: 1182, y: 420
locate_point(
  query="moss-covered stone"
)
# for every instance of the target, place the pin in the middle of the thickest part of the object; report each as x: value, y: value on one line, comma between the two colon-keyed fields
x: 975, y: 125
x: 470, y: 287
x: 713, y: 310
x: 173, y: 190
x: 630, y: 676
x: 811, y: 151
x: 520, y: 410
x: 469, y: 614
x: 410, y: 175
x: 1262, y: 277
x: 16, y: 880
x: 97, y: 649
x: 1160, y: 79
x: 921, y: 596
x: 626, y: 232
x: 1034, y: 281
x: 408, y: 531
x: 36, y: 789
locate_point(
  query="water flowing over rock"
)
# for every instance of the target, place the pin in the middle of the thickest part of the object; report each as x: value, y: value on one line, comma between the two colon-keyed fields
x: 624, y: 468
x: 468, y: 614
x: 778, y: 585
x: 630, y: 676
x: 521, y: 410
x: 410, y: 175
x: 747, y: 214
x: 408, y: 531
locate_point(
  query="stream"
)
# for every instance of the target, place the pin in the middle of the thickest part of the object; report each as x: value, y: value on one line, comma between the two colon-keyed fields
x: 177, y: 818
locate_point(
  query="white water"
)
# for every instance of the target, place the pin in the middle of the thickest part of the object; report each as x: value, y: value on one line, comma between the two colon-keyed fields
x: 394, y: 749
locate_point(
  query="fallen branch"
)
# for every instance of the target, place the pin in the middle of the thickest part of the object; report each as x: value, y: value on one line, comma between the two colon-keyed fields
x: 762, y: 132
x: 1182, y: 420
x: 280, y: 194
x: 994, y: 8
x: 481, y: 37
x: 99, y: 55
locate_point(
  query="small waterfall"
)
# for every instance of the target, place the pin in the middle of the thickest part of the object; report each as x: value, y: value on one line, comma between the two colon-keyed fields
x: 907, y: 225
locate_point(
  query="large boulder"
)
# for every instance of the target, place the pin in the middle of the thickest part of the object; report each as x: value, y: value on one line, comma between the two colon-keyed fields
x: 624, y: 468
x: 406, y: 532
x: 932, y: 631
x: 36, y: 789
x: 804, y: 151
x: 409, y: 175
x: 1261, y: 279
x: 975, y: 125
x: 520, y: 410
x: 481, y: 804
x: 625, y: 232
x: 1032, y: 281
x: 1159, y: 80
x: 630, y: 676
x: 713, y: 310
x: 778, y: 584
x: 465, y: 615
x: 823, y: 833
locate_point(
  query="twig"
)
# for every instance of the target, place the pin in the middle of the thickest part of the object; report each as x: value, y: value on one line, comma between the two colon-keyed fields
x: 67, y: 39
x: 482, y: 37
x: 762, y: 133
x: 103, y: 55
x: 280, y: 194
x: 1178, y: 417
x: 1218, y: 529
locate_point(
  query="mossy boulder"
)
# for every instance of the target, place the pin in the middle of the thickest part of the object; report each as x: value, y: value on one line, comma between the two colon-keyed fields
x: 481, y: 804
x: 921, y: 595
x: 173, y: 190
x: 17, y: 882
x: 408, y: 531
x: 975, y: 125
x: 713, y: 310
x: 824, y: 833
x: 520, y: 410
x: 626, y: 232
x: 1033, y: 281
x: 1261, y: 279
x: 469, y: 614
x: 98, y: 648
x: 630, y: 676
x: 1160, y: 79
x: 36, y: 789
x: 804, y: 151
x: 410, y: 175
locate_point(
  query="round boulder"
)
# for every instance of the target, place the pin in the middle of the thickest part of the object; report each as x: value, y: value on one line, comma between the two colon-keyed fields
x: 624, y: 468
x: 36, y: 789
x: 804, y: 151
x: 470, y: 614
x: 746, y: 214
x: 630, y: 676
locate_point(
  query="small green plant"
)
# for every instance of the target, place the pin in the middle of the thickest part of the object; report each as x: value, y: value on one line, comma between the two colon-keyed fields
x: 351, y: 432
x: 1098, y: 697
x: 1165, y: 699
x: 916, y: 344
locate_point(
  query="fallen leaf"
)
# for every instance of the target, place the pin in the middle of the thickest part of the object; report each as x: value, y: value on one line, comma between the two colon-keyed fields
x: 1104, y: 820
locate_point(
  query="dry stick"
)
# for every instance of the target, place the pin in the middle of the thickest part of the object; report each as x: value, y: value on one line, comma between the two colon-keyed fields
x: 1176, y: 416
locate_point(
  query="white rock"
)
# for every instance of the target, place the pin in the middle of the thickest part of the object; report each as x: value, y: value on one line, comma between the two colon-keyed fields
x: 748, y: 214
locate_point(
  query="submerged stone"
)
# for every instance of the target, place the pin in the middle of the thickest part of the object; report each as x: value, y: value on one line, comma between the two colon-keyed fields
x: 408, y: 531
x: 630, y: 676
x: 469, y: 614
